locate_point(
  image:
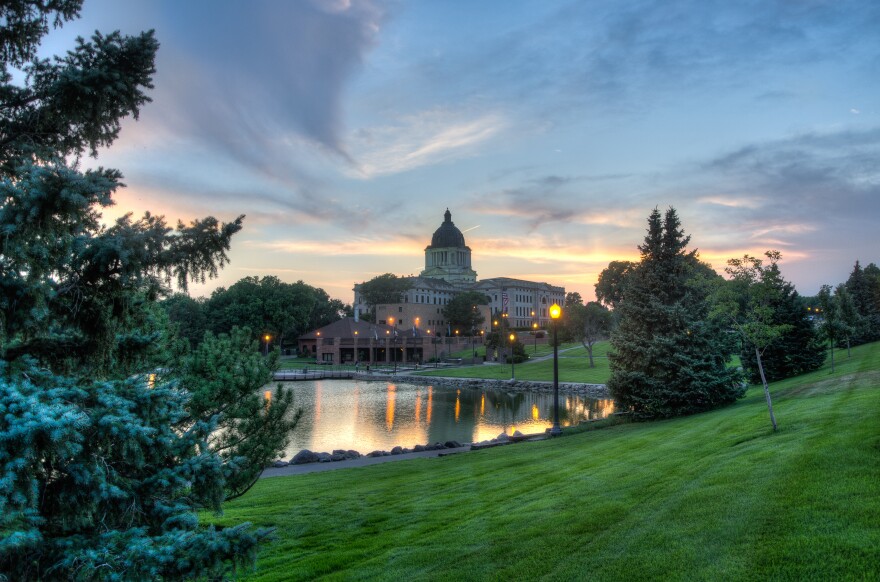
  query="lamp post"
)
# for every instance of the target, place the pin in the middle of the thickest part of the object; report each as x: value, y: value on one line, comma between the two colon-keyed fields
x: 512, y: 338
x: 356, y: 359
x: 267, y: 337
x: 535, y: 334
x: 555, y: 313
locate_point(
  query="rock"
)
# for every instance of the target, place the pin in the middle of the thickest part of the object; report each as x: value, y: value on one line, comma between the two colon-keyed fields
x: 337, y: 456
x: 324, y: 457
x: 518, y: 434
x: 502, y: 438
x: 377, y: 453
x: 280, y: 463
x: 418, y: 448
x: 452, y: 444
x: 352, y: 455
x: 407, y: 451
x: 303, y: 457
x: 396, y: 451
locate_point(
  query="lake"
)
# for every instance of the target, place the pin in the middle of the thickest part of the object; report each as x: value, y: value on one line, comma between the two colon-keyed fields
x: 368, y: 416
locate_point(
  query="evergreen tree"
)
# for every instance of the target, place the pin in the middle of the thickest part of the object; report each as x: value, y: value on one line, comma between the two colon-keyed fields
x: 831, y: 325
x: 849, y: 316
x: 863, y: 286
x: 668, y: 358
x: 107, y: 445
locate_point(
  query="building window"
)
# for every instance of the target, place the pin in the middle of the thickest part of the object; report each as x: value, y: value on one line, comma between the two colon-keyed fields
x: 400, y: 310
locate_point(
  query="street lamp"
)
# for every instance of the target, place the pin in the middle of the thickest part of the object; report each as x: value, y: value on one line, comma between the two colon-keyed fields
x: 356, y: 359
x: 535, y: 333
x: 555, y: 313
x: 267, y: 337
x: 512, y: 371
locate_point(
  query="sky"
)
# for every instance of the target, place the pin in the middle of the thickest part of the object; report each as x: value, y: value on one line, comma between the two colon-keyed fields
x: 344, y: 129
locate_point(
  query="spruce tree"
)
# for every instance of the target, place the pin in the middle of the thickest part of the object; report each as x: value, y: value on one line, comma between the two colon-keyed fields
x: 863, y: 286
x: 109, y: 441
x: 668, y: 358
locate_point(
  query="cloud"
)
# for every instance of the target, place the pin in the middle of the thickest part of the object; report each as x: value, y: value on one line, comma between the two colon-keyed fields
x: 267, y: 68
x: 733, y: 201
x: 609, y: 56
x: 418, y: 140
x: 359, y: 246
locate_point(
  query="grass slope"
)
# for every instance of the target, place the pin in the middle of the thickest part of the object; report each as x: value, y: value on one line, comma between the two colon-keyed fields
x: 711, y: 496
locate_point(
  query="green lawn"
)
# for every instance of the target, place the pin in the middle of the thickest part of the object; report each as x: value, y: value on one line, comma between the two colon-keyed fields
x: 573, y: 367
x: 715, y: 496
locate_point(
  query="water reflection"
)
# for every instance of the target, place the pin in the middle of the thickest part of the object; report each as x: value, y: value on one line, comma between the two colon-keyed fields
x: 364, y: 416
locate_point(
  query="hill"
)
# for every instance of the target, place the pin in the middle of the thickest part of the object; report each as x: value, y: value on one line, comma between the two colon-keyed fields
x: 711, y: 496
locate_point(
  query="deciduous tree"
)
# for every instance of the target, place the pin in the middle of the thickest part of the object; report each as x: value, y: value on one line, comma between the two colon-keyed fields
x: 588, y: 324
x: 612, y: 281
x: 382, y: 290
x: 790, y: 344
x: 463, y: 311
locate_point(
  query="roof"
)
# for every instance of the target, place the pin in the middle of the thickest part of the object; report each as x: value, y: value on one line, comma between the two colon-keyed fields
x: 448, y: 235
x: 345, y: 328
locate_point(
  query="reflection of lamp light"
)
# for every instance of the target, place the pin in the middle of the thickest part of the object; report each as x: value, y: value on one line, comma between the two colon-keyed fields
x: 512, y: 338
x: 555, y: 313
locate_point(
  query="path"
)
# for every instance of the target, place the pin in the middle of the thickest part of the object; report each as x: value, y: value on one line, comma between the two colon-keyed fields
x: 361, y: 462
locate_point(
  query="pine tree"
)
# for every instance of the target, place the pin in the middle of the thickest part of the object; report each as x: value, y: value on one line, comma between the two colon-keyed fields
x: 107, y: 445
x: 831, y: 326
x: 849, y: 316
x: 668, y: 358
x: 863, y: 286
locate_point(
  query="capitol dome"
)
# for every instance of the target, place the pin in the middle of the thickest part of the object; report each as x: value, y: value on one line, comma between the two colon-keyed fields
x: 448, y: 235
x: 447, y: 257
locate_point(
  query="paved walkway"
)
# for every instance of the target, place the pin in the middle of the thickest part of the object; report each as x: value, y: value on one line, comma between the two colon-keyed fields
x: 361, y: 462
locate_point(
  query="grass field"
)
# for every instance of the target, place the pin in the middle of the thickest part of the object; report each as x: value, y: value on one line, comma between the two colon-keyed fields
x: 712, y: 496
x: 573, y: 367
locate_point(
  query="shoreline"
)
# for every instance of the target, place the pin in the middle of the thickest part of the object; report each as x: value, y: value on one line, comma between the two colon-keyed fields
x: 594, y: 391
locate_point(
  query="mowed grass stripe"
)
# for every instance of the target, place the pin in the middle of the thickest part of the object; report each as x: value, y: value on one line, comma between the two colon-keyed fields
x: 714, y: 495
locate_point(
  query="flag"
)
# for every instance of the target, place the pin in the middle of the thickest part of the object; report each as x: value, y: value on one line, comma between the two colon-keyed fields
x: 505, y: 300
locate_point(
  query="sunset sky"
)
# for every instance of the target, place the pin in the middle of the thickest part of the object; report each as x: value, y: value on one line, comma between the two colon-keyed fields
x: 344, y: 129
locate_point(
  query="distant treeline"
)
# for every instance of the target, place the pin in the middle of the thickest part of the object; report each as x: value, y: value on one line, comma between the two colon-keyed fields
x: 266, y: 306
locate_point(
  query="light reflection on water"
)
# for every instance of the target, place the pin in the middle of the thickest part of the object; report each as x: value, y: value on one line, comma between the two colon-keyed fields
x: 366, y: 416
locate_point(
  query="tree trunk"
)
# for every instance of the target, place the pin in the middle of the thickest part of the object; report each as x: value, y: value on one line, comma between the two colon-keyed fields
x: 590, y: 353
x: 766, y: 388
x: 831, y: 344
x: 848, y: 354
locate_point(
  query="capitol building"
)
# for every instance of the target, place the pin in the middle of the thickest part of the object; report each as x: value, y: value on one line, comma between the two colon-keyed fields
x: 449, y: 271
